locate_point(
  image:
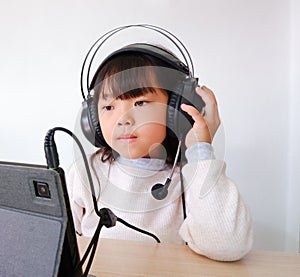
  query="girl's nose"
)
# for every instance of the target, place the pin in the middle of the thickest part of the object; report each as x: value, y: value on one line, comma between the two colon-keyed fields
x: 126, y: 119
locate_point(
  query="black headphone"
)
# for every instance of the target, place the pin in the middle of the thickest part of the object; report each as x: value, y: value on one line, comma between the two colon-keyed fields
x: 183, y: 91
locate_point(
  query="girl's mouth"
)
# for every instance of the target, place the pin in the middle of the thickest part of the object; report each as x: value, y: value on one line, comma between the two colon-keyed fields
x: 127, y: 138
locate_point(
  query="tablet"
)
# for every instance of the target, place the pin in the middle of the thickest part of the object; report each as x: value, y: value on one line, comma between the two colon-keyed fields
x: 37, y: 234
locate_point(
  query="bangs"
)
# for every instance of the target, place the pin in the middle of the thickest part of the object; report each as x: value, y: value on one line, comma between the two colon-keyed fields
x: 127, y: 76
x: 128, y: 83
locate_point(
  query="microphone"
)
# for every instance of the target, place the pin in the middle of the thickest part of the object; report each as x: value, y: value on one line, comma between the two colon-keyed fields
x: 160, y: 191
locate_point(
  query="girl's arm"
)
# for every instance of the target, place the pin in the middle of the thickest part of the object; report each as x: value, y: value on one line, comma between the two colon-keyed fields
x: 218, y: 223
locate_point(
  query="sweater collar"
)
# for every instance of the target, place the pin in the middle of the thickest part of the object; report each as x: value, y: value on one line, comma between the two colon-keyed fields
x: 143, y: 163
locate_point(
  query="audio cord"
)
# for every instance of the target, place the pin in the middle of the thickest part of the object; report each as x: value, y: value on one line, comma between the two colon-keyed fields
x: 106, y: 217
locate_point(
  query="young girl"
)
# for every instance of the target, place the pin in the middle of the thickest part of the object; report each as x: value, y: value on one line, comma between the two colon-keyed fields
x: 138, y: 151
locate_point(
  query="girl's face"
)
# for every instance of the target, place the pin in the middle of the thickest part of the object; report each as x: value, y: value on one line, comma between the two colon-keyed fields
x: 134, y: 127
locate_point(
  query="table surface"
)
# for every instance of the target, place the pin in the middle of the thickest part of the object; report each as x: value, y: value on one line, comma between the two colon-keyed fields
x: 133, y: 258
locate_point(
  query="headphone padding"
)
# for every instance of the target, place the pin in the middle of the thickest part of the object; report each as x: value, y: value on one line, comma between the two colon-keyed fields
x: 172, y: 112
x: 90, y: 124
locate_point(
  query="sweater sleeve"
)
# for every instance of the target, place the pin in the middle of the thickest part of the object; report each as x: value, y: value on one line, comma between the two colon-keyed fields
x: 79, y: 195
x: 218, y: 223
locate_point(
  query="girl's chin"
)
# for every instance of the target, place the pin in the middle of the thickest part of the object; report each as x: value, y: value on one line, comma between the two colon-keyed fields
x: 155, y: 151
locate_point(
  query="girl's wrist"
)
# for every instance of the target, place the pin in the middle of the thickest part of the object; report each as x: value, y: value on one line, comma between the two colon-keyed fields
x: 200, y: 151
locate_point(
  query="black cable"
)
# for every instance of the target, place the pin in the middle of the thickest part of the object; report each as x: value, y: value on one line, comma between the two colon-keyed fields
x: 138, y: 229
x: 182, y: 192
x: 109, y: 214
x: 94, y: 243
x: 92, y: 246
x: 89, y: 175
x: 107, y: 217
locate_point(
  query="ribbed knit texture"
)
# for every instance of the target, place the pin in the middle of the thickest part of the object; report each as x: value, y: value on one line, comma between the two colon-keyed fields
x: 218, y: 223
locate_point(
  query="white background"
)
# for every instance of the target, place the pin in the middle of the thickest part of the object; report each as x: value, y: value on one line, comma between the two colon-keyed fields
x: 246, y: 51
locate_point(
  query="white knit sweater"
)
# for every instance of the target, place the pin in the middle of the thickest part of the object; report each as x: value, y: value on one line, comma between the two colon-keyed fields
x: 218, y: 223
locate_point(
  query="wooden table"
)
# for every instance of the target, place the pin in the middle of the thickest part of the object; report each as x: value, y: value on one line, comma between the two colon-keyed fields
x: 132, y: 258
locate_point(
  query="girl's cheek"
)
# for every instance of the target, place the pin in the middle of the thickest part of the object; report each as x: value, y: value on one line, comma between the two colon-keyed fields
x: 157, y: 113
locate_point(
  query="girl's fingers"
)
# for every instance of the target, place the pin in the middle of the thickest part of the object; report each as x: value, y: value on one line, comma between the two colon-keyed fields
x: 207, y: 95
x: 194, y: 113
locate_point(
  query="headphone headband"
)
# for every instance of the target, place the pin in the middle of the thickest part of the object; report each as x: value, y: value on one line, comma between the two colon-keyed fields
x: 97, y: 45
x: 150, y: 50
x: 153, y: 50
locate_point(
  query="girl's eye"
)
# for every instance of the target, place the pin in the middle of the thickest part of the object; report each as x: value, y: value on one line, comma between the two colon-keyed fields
x: 141, y: 103
x: 108, y: 108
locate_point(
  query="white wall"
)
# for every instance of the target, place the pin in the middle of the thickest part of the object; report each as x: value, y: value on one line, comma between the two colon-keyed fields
x: 244, y: 50
x: 293, y: 194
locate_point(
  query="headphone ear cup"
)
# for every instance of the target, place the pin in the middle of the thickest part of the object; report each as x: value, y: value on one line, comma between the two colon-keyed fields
x: 90, y: 124
x: 178, y: 121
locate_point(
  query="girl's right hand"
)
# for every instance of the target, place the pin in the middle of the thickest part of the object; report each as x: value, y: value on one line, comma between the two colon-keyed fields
x: 206, y: 126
